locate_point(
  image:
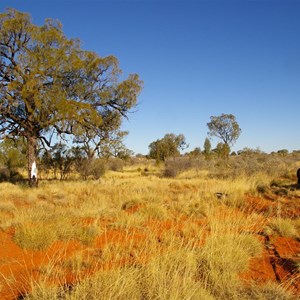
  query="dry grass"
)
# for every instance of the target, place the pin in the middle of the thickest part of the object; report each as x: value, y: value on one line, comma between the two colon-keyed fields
x: 284, y: 227
x: 173, y: 238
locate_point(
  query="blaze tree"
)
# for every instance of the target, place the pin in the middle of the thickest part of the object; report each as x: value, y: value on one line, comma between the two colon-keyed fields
x: 50, y: 86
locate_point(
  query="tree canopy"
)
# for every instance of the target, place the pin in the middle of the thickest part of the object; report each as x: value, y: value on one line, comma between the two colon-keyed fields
x: 169, y: 146
x: 50, y: 86
x: 224, y: 127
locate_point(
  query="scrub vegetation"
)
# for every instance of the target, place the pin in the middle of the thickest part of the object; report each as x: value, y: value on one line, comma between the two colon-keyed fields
x: 215, y: 230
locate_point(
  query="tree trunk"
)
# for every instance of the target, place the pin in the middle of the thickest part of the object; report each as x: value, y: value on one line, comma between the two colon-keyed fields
x: 32, y: 159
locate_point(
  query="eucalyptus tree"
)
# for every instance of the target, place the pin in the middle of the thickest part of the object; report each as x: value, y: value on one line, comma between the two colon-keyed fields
x: 50, y: 87
x: 169, y: 146
x: 224, y: 127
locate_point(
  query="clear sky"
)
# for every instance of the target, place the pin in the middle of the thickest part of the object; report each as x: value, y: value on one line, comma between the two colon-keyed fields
x: 197, y: 59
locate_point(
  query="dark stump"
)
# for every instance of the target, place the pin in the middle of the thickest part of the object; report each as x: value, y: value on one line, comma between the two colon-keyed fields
x: 33, y: 181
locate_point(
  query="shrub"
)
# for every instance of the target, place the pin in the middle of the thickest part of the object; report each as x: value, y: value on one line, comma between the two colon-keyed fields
x: 10, y: 175
x: 115, y: 164
x: 170, y: 172
x: 97, y: 169
x: 171, y: 276
x: 281, y: 192
x: 4, y: 174
x: 94, y: 168
x: 174, y: 167
x: 86, y: 234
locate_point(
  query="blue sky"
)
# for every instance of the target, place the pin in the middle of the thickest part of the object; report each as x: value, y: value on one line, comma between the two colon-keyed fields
x: 197, y: 59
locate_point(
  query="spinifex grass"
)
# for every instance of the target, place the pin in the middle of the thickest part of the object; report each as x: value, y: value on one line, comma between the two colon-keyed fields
x: 140, y: 236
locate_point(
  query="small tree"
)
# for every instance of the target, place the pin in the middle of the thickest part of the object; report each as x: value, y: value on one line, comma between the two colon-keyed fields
x: 169, y: 146
x: 207, y: 148
x: 224, y: 127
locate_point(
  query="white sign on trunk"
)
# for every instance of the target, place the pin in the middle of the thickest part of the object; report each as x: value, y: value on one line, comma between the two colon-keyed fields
x: 33, y: 170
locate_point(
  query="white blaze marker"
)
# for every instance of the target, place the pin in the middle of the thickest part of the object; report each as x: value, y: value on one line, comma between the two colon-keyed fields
x: 34, y: 170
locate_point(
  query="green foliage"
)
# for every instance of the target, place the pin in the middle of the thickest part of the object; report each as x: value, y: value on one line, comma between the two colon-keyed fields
x: 250, y: 152
x: 207, y: 148
x: 12, y: 153
x: 169, y: 146
x: 283, y: 152
x: 59, y: 159
x: 50, y: 85
x: 62, y: 161
x: 195, y: 153
x: 223, y: 150
x: 224, y: 127
x: 12, y: 157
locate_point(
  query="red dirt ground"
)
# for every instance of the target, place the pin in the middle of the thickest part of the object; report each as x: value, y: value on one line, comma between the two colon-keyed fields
x: 280, y: 260
x: 19, y: 267
x: 276, y: 264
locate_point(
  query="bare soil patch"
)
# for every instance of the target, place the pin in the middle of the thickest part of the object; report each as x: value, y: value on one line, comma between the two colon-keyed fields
x: 279, y: 261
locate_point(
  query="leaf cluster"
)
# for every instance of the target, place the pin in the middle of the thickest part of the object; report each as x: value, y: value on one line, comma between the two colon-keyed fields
x: 50, y: 86
x: 169, y: 146
x: 224, y: 127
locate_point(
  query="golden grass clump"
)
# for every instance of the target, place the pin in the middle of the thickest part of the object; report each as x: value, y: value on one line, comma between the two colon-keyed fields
x: 35, y: 236
x: 143, y: 236
x: 284, y: 227
x: 222, y: 258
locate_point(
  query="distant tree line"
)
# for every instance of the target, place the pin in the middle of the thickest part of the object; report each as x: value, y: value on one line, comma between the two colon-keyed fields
x: 224, y: 127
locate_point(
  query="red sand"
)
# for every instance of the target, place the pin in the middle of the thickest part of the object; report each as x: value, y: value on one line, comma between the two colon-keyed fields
x: 19, y: 267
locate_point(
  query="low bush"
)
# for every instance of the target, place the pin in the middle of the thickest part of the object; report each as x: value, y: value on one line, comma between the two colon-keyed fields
x: 174, y: 167
x: 9, y: 175
x: 97, y: 168
x: 116, y: 164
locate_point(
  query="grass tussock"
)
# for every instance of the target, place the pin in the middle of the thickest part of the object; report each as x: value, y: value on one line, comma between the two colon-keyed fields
x: 268, y: 291
x: 284, y: 227
x: 222, y: 258
x: 146, y: 234
x: 34, y: 236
